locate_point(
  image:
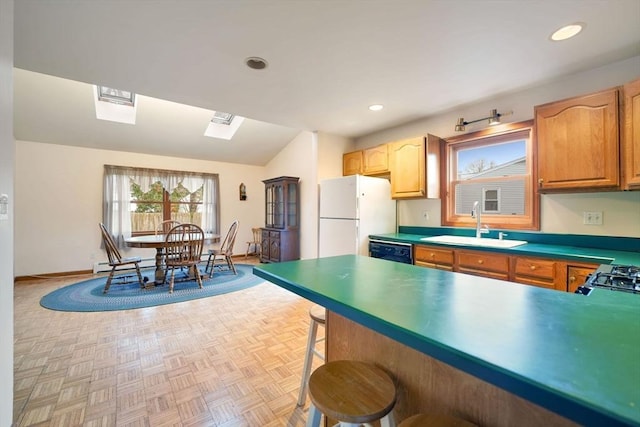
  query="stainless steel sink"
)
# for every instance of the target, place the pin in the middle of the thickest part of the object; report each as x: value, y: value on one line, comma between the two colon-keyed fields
x: 474, y: 241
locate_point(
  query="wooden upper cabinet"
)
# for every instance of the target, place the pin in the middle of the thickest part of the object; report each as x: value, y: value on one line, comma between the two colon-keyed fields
x: 372, y: 161
x: 578, y: 143
x: 631, y: 137
x: 352, y: 163
x: 414, y: 167
x: 375, y: 161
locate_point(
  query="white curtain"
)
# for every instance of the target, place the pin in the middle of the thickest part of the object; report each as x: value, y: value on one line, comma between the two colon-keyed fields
x: 117, y: 203
x: 211, y: 206
x: 117, y: 196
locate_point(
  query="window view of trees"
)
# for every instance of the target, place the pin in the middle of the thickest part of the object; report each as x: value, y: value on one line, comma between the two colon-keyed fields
x: 157, y: 204
x: 137, y: 200
x: 148, y: 202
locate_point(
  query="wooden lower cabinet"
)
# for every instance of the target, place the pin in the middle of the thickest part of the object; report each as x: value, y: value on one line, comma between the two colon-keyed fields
x: 279, y: 245
x: 428, y: 256
x: 547, y: 273
x: 577, y: 275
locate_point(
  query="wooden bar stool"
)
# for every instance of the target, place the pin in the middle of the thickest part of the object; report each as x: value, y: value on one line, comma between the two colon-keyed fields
x: 352, y: 392
x: 317, y: 315
x: 435, y: 420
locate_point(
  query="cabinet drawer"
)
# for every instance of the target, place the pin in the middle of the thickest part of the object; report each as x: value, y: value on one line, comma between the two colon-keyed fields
x: 274, y: 235
x: 431, y: 255
x: 447, y: 267
x: 484, y: 273
x: 532, y: 267
x: 483, y: 261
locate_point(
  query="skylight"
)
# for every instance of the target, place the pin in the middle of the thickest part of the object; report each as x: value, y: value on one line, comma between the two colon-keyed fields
x: 116, y: 96
x: 223, y: 125
x: 115, y: 105
x: 222, y: 118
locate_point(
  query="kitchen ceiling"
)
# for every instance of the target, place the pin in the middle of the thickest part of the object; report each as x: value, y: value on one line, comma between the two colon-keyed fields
x: 327, y: 62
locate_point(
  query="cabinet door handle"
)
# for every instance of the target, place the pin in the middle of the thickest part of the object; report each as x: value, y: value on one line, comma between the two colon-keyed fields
x: 533, y: 267
x: 540, y: 182
x: 572, y: 278
x: 480, y: 261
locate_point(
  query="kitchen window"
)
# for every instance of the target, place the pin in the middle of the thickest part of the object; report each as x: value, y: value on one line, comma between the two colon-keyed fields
x: 137, y: 200
x: 494, y: 167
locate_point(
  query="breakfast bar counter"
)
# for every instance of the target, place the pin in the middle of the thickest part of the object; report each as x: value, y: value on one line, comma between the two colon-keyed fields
x: 493, y: 352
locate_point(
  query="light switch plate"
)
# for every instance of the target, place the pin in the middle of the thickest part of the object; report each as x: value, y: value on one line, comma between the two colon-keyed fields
x: 592, y: 218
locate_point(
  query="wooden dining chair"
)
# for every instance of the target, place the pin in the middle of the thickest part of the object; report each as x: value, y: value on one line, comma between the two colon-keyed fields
x: 183, y: 248
x: 225, y: 252
x: 256, y: 242
x: 117, y: 260
x: 165, y: 226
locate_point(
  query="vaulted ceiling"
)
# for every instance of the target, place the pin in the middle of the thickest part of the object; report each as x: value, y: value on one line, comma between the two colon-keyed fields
x: 327, y: 62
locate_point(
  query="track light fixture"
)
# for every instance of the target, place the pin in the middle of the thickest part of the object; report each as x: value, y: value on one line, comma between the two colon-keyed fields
x: 494, y: 119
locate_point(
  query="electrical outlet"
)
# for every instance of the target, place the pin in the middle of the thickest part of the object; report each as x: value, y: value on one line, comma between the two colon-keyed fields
x: 592, y: 218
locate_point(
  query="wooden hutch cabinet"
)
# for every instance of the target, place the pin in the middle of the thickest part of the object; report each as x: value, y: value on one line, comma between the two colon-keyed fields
x: 281, y: 233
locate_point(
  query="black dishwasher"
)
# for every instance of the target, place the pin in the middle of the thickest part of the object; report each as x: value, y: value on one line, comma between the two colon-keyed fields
x: 392, y: 251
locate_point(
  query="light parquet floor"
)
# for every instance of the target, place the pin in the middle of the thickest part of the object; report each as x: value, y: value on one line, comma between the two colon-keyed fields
x: 231, y: 360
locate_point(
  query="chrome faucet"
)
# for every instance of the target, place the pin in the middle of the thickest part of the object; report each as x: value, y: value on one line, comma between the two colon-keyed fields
x: 475, y: 213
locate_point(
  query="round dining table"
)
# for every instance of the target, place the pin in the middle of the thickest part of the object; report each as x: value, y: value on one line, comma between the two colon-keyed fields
x: 157, y: 241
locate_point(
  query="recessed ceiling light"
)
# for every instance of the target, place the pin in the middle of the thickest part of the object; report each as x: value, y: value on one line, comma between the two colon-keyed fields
x: 567, y: 31
x: 376, y: 107
x: 256, y: 63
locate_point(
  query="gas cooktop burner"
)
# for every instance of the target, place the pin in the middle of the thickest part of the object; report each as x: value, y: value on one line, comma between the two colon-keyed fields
x: 625, y: 278
x: 625, y: 270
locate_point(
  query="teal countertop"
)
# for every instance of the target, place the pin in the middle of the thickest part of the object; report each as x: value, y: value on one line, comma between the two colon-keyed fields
x: 627, y: 250
x: 576, y: 355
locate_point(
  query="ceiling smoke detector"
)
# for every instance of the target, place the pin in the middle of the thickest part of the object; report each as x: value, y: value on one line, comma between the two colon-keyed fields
x: 256, y: 63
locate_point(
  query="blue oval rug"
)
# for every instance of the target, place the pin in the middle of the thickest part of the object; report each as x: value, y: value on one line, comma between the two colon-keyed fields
x: 87, y: 295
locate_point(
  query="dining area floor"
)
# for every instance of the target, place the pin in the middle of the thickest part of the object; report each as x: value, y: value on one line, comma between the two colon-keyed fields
x: 231, y: 360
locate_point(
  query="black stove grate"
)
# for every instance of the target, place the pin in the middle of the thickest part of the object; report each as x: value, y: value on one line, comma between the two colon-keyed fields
x: 623, y: 278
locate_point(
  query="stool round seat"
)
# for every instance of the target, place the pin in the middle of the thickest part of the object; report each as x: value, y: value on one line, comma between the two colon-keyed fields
x: 318, y: 313
x: 352, y: 391
x: 435, y: 420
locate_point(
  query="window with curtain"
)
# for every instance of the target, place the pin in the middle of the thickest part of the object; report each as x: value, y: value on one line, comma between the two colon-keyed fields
x: 137, y: 200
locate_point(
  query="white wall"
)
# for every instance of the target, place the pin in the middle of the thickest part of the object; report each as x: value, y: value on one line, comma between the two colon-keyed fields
x: 7, y: 154
x: 59, y: 203
x: 330, y: 151
x: 299, y: 158
x: 560, y: 213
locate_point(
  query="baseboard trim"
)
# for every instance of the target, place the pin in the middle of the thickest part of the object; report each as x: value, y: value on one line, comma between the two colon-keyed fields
x: 46, y: 276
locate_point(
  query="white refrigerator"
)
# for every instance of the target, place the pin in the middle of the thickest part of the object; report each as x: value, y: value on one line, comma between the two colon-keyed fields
x: 351, y: 208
